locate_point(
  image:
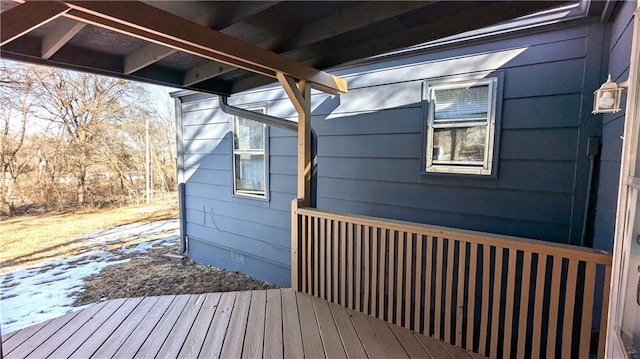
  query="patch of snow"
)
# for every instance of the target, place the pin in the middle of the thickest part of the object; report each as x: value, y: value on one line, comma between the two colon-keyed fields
x: 38, y: 293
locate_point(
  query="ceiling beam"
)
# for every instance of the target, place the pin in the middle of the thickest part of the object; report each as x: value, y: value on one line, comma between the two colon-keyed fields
x: 153, y: 52
x: 453, y: 17
x: 145, y: 56
x: 64, y: 31
x: 353, y: 18
x: 71, y: 57
x: 205, y: 72
x: 23, y: 18
x: 152, y: 24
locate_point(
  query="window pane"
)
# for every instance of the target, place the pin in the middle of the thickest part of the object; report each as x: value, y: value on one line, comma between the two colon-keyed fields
x: 459, y: 144
x: 249, y: 172
x: 461, y: 104
x: 248, y: 134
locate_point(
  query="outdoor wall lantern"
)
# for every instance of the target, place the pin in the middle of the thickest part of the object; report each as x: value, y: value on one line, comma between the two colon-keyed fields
x: 606, y: 99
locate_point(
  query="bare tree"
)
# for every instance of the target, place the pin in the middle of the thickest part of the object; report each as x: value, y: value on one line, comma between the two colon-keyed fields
x: 79, y: 139
x: 87, y: 107
x: 17, y: 95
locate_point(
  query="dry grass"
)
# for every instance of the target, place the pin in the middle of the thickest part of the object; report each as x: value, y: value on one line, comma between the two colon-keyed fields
x: 31, y: 240
x: 153, y: 274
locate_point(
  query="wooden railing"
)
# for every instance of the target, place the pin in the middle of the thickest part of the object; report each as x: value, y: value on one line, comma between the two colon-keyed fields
x: 500, y: 296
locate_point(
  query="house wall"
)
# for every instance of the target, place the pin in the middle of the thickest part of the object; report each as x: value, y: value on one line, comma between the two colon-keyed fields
x: 370, y: 146
x: 618, y: 52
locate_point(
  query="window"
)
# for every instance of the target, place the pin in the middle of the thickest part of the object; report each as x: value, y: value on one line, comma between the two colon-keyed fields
x: 249, y: 157
x: 460, y: 126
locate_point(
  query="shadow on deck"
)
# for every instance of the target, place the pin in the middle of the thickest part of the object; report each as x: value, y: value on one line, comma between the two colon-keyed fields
x: 273, y: 323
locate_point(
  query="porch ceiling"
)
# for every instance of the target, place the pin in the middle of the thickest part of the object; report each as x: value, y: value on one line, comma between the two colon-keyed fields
x: 225, y: 47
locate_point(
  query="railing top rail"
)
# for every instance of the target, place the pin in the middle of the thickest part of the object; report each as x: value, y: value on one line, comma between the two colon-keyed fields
x: 498, y: 240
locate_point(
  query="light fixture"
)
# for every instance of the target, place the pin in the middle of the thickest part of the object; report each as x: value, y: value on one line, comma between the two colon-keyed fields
x: 606, y: 99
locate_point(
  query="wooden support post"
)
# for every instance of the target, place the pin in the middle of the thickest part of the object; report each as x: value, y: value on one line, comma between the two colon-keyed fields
x: 295, y: 243
x: 300, y: 96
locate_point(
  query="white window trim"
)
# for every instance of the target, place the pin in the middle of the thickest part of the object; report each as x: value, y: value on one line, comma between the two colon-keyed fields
x: 459, y: 167
x: 264, y: 152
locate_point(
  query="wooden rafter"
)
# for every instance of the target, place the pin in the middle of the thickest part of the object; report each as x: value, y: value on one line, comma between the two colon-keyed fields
x: 151, y: 24
x: 63, y: 32
x: 205, y: 72
x: 359, y: 16
x: 155, y: 52
x: 23, y: 18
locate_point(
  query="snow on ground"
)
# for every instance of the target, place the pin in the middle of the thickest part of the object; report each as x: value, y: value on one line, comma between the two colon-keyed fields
x: 38, y: 293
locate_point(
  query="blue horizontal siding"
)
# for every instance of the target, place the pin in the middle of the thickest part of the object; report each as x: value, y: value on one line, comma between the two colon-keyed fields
x: 370, y: 150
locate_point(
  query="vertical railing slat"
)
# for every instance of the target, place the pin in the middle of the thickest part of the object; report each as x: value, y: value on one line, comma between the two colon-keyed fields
x: 497, y: 290
x: 438, y: 294
x: 358, y: 253
x: 484, y: 314
x: 374, y: 272
x: 336, y: 260
x: 309, y: 255
x: 316, y: 258
x: 350, y: 250
x: 587, y: 309
x: 553, y: 307
x: 473, y: 264
x: 304, y: 257
x: 462, y: 261
x: 569, y: 304
x: 448, y: 296
x: 329, y: 261
x: 428, y: 294
x: 399, y: 284
x: 509, y: 299
x: 604, y: 312
x: 408, y: 281
x: 343, y: 263
x: 418, y: 282
x: 390, y: 289
x: 323, y: 256
x: 367, y: 259
x: 537, y: 309
x: 382, y: 272
x: 524, y: 301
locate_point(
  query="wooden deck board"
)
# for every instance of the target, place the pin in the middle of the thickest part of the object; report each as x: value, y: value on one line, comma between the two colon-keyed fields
x: 91, y: 326
x: 29, y: 345
x: 25, y: 334
x: 98, y: 337
x: 409, y: 342
x: 273, y: 330
x: 122, y: 333
x: 387, y: 338
x: 254, y: 334
x: 328, y: 330
x: 156, y: 338
x: 195, y: 338
x: 133, y: 343
x: 370, y: 341
x: 212, y: 346
x: 291, y: 331
x: 271, y: 324
x: 54, y: 341
x: 352, y: 345
x: 234, y: 340
x: 311, y: 341
x: 175, y: 340
x: 432, y: 346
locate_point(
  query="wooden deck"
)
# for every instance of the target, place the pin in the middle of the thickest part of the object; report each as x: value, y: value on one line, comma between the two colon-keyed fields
x: 271, y: 324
